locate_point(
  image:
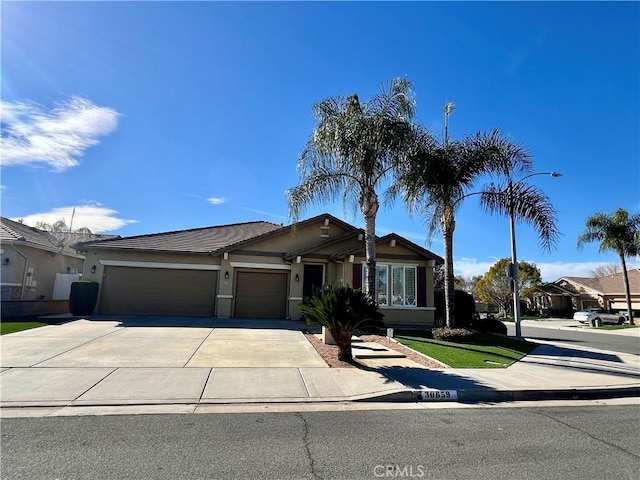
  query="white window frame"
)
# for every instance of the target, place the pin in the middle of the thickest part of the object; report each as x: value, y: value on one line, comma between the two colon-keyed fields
x: 403, y: 294
x: 388, y: 286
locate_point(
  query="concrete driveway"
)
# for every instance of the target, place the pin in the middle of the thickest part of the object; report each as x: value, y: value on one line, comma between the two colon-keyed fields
x: 130, y: 360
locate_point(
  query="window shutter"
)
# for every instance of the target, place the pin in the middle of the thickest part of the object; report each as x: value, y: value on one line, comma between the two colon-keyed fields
x: 422, y: 286
x: 357, y: 275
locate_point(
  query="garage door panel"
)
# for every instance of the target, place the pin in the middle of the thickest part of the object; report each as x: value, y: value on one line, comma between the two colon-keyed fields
x: 261, y: 294
x: 156, y: 291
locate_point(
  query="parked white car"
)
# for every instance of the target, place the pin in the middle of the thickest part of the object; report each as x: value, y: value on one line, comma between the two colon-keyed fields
x: 598, y: 316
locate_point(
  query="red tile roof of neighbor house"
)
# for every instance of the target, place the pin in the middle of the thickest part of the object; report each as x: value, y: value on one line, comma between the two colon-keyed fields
x: 196, y: 240
x: 610, y: 284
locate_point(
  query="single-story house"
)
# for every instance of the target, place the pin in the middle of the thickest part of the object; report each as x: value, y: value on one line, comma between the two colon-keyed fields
x: 579, y: 293
x: 31, y: 258
x: 38, y: 266
x: 256, y: 269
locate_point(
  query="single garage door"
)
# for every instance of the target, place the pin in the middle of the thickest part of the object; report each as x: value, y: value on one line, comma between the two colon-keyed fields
x: 158, y: 291
x: 261, y: 294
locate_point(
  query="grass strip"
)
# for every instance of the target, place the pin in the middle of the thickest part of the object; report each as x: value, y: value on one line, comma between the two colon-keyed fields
x: 12, y: 327
x: 617, y: 327
x: 486, y: 351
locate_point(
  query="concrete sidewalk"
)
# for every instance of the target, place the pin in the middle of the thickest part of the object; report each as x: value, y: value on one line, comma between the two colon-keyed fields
x: 106, y: 364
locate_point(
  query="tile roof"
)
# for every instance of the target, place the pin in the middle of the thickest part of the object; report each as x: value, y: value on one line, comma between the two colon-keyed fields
x: 196, y: 240
x: 610, y: 284
x: 70, y: 239
x: 360, y: 249
x: 615, y: 283
x: 11, y: 231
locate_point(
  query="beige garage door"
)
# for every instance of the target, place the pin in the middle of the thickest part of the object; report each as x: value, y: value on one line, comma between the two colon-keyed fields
x: 261, y: 294
x: 158, y: 291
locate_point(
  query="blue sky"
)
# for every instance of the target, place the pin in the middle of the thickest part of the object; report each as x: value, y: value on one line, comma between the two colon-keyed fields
x: 157, y: 116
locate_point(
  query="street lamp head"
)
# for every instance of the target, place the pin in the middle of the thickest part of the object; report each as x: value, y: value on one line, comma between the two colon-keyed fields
x: 555, y: 174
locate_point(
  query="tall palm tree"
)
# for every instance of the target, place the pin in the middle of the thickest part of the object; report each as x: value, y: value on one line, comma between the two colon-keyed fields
x: 618, y: 232
x: 353, y: 150
x: 438, y: 176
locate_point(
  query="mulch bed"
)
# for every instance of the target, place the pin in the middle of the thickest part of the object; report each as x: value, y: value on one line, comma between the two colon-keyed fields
x: 329, y: 353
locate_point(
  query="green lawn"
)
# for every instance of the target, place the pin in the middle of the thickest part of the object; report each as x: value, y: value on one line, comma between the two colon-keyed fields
x: 12, y: 327
x: 487, y: 351
x: 617, y: 327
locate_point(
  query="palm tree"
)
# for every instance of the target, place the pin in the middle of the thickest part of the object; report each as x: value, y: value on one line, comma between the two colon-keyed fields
x: 438, y: 176
x: 353, y: 149
x: 618, y: 232
x: 342, y: 310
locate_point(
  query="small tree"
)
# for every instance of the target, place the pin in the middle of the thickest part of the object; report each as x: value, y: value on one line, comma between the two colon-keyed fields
x: 494, y: 287
x: 342, y: 310
x: 618, y: 232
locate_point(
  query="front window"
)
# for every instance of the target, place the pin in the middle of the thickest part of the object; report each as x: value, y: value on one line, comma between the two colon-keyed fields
x: 403, y: 288
x: 381, y: 280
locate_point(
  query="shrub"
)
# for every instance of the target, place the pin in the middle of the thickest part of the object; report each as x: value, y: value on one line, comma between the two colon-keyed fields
x: 342, y: 310
x: 462, y: 335
x: 489, y: 326
x: 465, y: 307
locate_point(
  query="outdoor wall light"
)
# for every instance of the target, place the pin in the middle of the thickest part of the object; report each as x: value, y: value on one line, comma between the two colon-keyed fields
x: 297, y: 277
x: 93, y: 269
x: 7, y: 261
x: 226, y: 275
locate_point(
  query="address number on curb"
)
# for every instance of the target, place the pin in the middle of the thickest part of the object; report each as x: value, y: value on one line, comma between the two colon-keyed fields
x: 438, y: 394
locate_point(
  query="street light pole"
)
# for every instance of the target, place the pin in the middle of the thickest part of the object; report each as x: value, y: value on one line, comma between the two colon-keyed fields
x: 514, y: 257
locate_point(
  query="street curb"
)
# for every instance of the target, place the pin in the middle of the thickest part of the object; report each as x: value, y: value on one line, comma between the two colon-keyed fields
x: 396, y: 396
x: 471, y: 396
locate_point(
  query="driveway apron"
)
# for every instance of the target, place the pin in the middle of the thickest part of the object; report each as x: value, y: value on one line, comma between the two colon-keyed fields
x: 132, y: 360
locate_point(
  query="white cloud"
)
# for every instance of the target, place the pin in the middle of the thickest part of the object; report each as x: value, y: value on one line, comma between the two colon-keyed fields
x: 59, y: 137
x: 217, y: 200
x: 97, y: 218
x: 469, y: 267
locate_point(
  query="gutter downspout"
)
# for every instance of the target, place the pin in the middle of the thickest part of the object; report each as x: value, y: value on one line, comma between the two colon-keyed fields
x: 24, y: 275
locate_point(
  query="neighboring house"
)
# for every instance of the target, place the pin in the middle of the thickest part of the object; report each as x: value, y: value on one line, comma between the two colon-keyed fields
x: 256, y: 269
x: 578, y: 293
x: 38, y: 265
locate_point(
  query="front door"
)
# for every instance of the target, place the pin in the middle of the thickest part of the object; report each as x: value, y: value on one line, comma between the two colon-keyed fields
x: 313, y: 279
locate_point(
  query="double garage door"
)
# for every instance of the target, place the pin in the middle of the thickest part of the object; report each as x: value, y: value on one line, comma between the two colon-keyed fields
x: 158, y: 291
x: 190, y: 293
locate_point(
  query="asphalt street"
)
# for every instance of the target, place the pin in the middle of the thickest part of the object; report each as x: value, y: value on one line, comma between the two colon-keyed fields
x: 578, y: 442
x: 602, y: 341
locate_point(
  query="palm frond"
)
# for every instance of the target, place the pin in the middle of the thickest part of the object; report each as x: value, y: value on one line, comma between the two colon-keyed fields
x: 317, y: 189
x: 618, y: 232
x: 527, y: 204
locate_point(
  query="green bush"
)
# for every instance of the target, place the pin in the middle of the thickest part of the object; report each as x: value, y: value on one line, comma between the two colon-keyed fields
x: 342, y: 310
x: 461, y: 335
x: 465, y: 307
x: 489, y: 326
